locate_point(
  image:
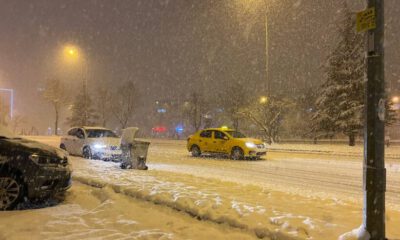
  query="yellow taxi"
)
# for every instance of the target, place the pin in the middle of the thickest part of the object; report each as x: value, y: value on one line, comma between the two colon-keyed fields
x: 225, y: 141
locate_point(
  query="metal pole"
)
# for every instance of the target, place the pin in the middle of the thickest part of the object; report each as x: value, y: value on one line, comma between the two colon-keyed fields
x: 85, y: 92
x: 268, y: 82
x: 374, y: 132
x: 11, y: 91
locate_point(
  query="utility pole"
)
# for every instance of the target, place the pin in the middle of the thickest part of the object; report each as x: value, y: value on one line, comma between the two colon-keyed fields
x: 268, y: 80
x: 11, y: 92
x: 374, y: 133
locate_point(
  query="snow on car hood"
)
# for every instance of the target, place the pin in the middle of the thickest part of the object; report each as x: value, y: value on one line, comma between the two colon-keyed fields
x: 41, y: 147
x: 5, y: 132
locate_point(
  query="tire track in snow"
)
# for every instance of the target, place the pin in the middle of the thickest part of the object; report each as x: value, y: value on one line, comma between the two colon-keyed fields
x: 342, y: 178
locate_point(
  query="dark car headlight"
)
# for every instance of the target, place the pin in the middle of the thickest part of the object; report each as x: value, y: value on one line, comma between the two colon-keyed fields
x: 48, y: 160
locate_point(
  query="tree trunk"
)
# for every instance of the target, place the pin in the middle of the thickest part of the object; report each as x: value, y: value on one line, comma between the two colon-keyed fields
x: 56, y: 121
x: 236, y: 124
x: 352, y: 139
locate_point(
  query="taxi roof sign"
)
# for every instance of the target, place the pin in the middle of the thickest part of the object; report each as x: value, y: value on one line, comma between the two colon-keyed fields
x: 366, y: 20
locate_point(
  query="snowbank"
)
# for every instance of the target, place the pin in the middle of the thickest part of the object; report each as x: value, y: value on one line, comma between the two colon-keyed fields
x: 94, y: 213
x: 356, y: 234
x: 263, y: 213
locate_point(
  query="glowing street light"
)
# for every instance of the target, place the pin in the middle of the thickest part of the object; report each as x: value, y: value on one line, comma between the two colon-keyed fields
x: 263, y: 100
x: 396, y: 99
x: 73, y: 53
x: 70, y: 53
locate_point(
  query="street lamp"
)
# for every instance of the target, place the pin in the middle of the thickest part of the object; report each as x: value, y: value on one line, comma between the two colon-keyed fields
x: 11, y: 92
x: 73, y: 54
x: 396, y: 99
x: 70, y: 53
x: 263, y: 100
x: 266, y: 4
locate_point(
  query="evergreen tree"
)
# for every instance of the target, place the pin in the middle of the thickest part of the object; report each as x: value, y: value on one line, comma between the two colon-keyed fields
x: 340, y: 106
x: 82, y: 112
x: 341, y: 102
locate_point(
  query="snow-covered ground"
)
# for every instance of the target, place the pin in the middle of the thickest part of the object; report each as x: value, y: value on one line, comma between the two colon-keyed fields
x: 100, y: 213
x: 392, y: 152
x: 293, y: 194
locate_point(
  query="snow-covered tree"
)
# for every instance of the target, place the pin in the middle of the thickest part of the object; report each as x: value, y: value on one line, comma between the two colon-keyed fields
x: 83, y: 113
x: 194, y: 109
x: 56, y: 94
x: 341, y: 102
x: 300, y: 115
x: 234, y: 98
x: 103, y: 103
x: 123, y: 103
x: 340, y: 106
x: 268, y: 115
x: 16, y: 122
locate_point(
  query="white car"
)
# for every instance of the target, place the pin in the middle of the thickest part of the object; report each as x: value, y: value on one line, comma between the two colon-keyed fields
x: 92, y: 143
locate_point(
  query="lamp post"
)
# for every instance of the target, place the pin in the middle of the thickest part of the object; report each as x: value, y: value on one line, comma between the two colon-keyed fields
x: 11, y: 92
x: 266, y: 5
x: 72, y: 53
x: 267, y: 79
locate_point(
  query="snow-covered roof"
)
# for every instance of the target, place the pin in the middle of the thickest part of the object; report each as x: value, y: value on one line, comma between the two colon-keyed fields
x: 220, y: 129
x: 91, y: 128
x: 94, y: 127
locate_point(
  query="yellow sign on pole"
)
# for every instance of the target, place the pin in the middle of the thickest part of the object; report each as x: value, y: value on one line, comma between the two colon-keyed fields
x: 366, y: 20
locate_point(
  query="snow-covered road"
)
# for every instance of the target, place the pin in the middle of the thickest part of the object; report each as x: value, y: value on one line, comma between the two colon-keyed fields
x: 291, y: 194
x: 314, y: 174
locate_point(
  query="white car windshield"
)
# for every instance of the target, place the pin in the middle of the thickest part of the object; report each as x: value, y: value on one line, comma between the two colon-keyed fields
x: 100, y: 133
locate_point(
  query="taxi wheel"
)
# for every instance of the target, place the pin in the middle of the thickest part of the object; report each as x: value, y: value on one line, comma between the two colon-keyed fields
x: 237, y: 153
x: 87, y: 153
x: 196, y: 152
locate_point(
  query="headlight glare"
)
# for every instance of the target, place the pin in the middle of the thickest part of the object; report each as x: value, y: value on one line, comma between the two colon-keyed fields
x: 250, y: 145
x: 34, y: 157
x: 99, y: 146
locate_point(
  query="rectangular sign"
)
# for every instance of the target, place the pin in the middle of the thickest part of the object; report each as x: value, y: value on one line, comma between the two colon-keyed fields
x: 366, y: 20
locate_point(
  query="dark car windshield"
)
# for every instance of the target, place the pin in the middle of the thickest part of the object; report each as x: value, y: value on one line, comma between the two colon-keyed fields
x: 100, y: 133
x: 236, y: 134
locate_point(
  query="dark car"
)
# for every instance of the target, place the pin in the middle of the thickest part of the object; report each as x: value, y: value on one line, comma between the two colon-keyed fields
x: 31, y: 170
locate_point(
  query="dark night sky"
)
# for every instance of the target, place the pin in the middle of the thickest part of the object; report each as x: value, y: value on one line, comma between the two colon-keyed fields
x: 169, y: 46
